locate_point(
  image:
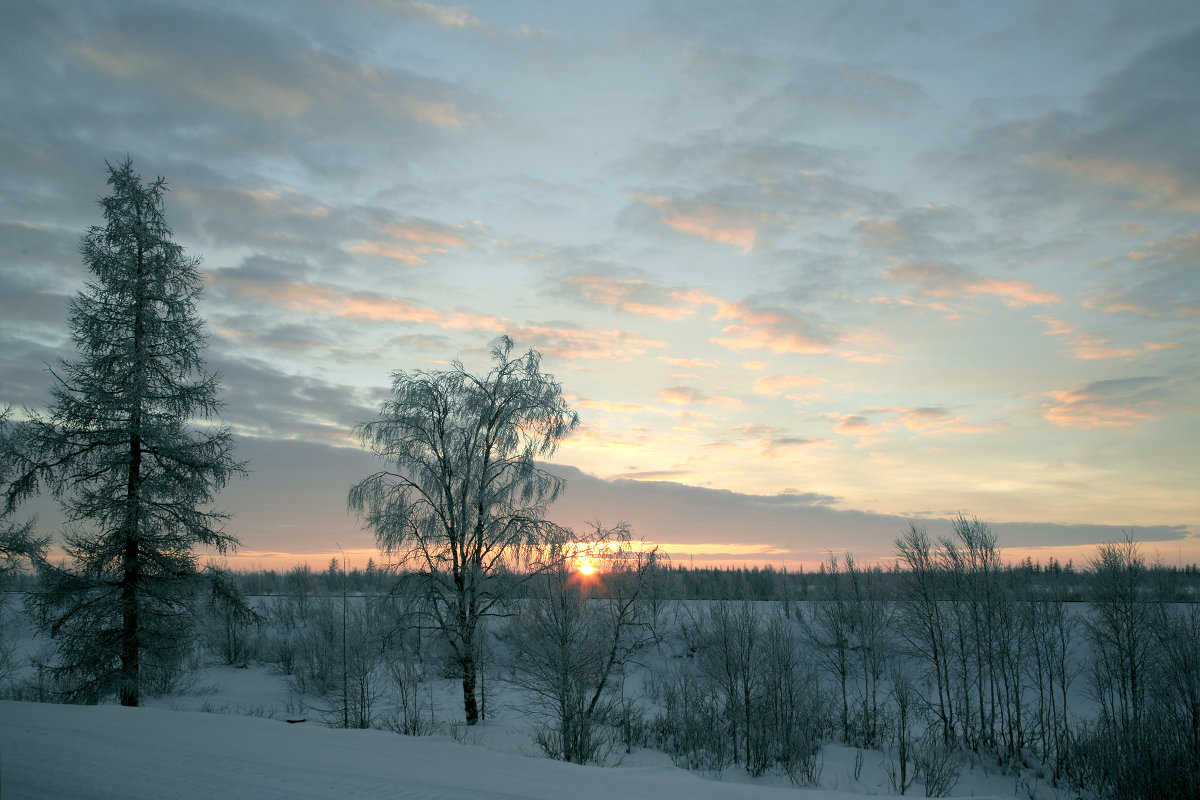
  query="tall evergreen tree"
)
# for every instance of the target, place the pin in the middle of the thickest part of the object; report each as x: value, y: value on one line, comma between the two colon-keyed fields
x: 130, y: 450
x: 17, y: 542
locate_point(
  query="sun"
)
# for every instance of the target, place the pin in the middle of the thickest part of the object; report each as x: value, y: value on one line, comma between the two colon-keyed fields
x: 586, y: 568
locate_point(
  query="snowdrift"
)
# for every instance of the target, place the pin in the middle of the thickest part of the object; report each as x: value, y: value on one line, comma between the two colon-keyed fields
x: 113, y: 752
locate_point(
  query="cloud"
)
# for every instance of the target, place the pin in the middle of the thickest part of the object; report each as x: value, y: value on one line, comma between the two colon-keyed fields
x: 641, y: 297
x: 745, y: 191
x: 777, y: 385
x: 652, y: 475
x: 568, y: 341
x: 690, y: 395
x: 263, y: 282
x: 412, y: 242
x: 920, y: 233
x: 838, y: 89
x: 856, y: 425
x: 770, y: 441
x: 1089, y: 346
x: 246, y: 67
x: 876, y: 421
x: 690, y: 363
x: 934, y: 420
x: 776, y: 330
x: 1152, y: 184
x: 734, y: 226
x: 612, y: 406
x: 454, y: 17
x: 799, y: 525
x: 1130, y: 147
x: 263, y: 400
x: 1116, y: 403
x: 1159, y: 280
x: 943, y: 281
x: 313, y: 298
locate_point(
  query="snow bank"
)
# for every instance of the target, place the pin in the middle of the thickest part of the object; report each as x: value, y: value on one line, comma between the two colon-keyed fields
x: 56, y: 751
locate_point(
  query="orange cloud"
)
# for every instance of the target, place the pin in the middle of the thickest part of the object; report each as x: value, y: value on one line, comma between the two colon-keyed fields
x: 611, y: 406
x: 776, y: 331
x: 936, y: 421
x: 855, y: 425
x: 300, y: 296
x: 1087, y: 346
x: 561, y: 341
x: 738, y: 227
x: 690, y: 363
x: 1103, y: 404
x: 689, y: 395
x: 459, y: 17
x: 414, y: 240
x: 637, y: 296
x: 441, y: 113
x: 777, y: 385
x: 580, y: 343
x: 1158, y: 185
x: 942, y: 280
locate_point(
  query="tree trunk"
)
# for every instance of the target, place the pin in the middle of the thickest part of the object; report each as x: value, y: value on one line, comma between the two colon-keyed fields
x: 130, y: 625
x: 132, y: 568
x: 131, y: 563
x: 470, y: 705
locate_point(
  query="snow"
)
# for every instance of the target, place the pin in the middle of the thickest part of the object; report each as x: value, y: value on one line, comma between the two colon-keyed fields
x: 173, y: 749
x: 58, y: 751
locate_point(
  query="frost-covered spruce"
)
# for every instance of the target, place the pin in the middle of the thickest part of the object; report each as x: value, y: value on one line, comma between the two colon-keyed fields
x: 130, y: 449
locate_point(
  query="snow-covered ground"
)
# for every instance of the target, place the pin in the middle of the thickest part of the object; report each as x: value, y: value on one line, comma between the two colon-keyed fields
x: 225, y: 737
x: 57, y: 751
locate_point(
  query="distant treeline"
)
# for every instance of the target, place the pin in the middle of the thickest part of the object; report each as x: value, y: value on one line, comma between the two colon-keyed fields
x: 687, y: 582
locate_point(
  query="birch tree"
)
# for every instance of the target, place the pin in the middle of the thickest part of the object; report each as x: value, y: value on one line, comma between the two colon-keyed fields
x: 463, y: 499
x: 130, y: 449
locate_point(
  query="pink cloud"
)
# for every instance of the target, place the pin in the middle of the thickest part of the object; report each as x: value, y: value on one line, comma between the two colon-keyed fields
x: 944, y: 281
x: 1157, y: 184
x: 1087, y: 346
x: 777, y: 385
x: 1118, y: 403
x: 774, y: 330
x: 689, y: 395
x: 413, y: 241
x: 738, y: 227
x: 637, y: 296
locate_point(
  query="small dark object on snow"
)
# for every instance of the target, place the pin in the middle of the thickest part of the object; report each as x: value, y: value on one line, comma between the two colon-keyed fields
x: 294, y: 721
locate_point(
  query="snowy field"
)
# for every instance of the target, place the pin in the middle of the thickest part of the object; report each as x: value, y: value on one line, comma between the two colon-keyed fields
x: 227, y: 738
x: 58, y: 751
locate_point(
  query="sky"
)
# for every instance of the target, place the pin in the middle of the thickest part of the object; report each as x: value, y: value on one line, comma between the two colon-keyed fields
x: 808, y: 271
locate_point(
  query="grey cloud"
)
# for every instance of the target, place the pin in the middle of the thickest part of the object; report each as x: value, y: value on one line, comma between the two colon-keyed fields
x: 1162, y: 279
x: 262, y: 400
x: 1151, y: 109
x: 180, y: 84
x: 1130, y: 147
x: 803, y: 524
x: 820, y: 92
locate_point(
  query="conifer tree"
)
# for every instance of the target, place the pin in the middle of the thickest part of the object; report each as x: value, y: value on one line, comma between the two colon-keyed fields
x: 130, y: 448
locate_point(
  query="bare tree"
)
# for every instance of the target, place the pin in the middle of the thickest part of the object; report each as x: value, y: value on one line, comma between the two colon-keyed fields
x: 828, y: 625
x: 464, y: 499
x: 572, y: 640
x: 924, y: 626
x: 135, y: 477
